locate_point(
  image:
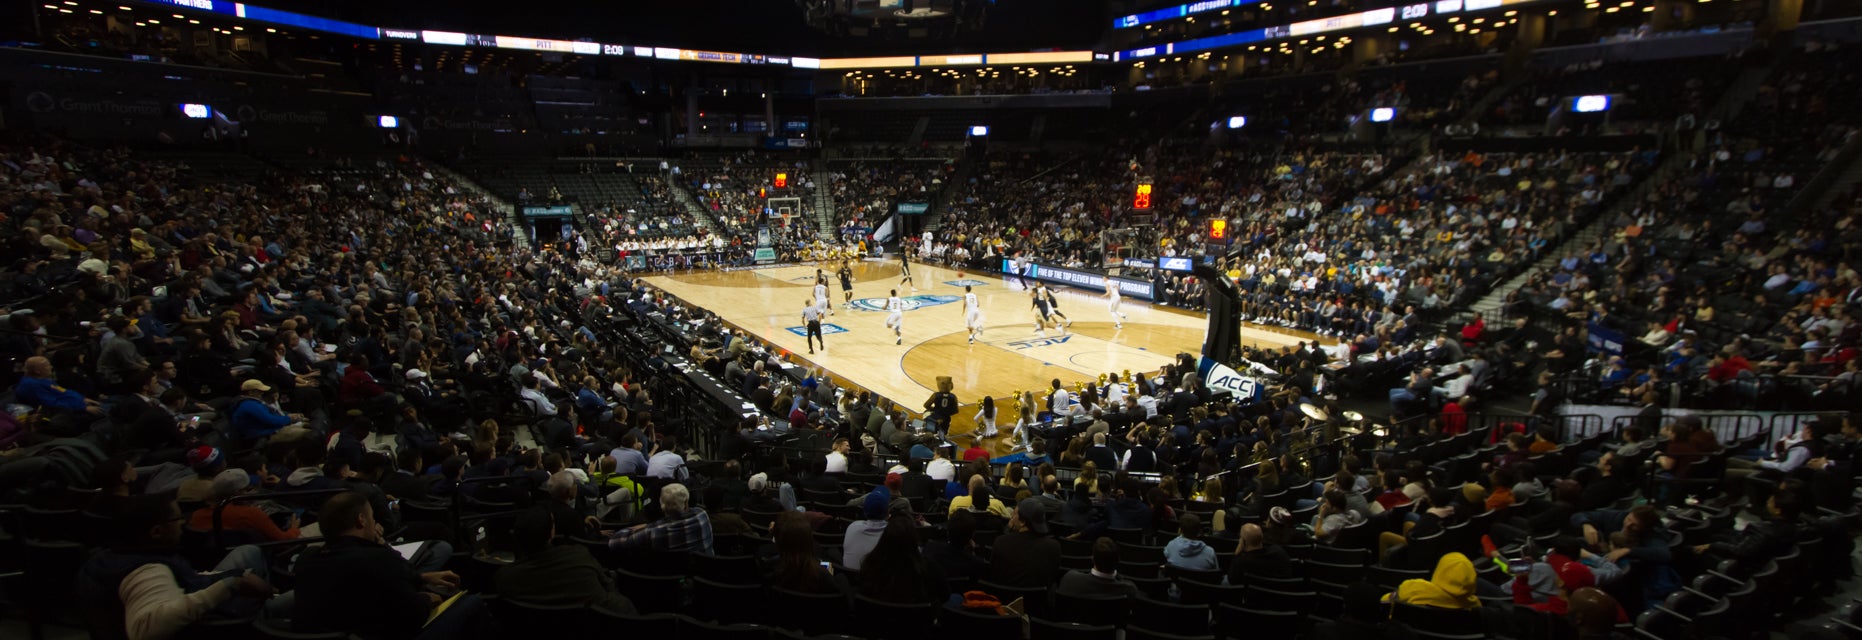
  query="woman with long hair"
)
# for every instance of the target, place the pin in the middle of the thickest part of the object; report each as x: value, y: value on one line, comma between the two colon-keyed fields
x: 1169, y: 486
x: 1014, y: 477
x: 1088, y: 480
x: 1213, y: 491
x: 986, y: 417
x: 1023, y: 422
x: 487, y: 432
x: 798, y: 567
x: 896, y: 572
x: 1075, y: 453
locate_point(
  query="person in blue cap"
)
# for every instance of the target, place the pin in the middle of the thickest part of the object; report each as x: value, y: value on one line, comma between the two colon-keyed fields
x: 863, y: 535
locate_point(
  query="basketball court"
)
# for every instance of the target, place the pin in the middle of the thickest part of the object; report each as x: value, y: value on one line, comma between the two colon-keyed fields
x: 1009, y: 356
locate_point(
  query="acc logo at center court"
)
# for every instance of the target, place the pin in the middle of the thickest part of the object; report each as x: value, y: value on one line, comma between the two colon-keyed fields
x: 908, y: 303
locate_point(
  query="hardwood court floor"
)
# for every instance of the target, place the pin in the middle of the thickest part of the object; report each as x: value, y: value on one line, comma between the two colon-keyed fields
x: 1009, y: 356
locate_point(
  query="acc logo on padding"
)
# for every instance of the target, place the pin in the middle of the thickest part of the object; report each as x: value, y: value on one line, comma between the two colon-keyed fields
x: 908, y: 303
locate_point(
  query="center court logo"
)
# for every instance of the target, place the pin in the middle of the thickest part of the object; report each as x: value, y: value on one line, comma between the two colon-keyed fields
x: 908, y: 303
x: 1039, y: 342
x: 827, y: 329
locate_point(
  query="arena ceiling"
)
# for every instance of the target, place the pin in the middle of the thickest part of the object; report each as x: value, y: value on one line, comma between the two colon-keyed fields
x: 767, y: 26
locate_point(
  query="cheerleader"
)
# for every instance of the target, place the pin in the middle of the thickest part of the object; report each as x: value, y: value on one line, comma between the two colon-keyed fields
x: 986, y: 417
x: 1024, y: 422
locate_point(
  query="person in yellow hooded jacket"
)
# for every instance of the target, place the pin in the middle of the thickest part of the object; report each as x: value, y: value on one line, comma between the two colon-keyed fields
x: 1452, y: 586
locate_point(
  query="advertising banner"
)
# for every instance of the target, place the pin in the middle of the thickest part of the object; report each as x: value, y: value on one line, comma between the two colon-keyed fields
x: 1085, y: 279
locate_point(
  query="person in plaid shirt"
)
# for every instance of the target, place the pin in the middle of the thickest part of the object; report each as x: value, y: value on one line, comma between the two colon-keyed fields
x: 684, y: 529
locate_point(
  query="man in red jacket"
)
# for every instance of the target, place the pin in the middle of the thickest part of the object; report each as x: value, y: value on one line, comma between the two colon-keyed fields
x: 358, y: 386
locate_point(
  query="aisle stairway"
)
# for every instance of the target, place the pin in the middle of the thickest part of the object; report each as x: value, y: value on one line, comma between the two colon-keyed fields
x: 1730, y: 103
x: 699, y: 213
x: 824, y: 213
x: 504, y: 208
x: 940, y: 202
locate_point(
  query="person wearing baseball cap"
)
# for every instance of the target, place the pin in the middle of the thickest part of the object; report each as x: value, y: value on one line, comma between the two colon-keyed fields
x: 863, y: 535
x: 1024, y: 555
x: 254, y: 419
x: 1569, y: 575
x: 207, y: 462
x: 240, y: 515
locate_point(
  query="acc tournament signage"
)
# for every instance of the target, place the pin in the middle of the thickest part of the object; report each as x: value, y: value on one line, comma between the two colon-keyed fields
x: 559, y: 211
x: 1602, y: 339
x: 1085, y: 279
x: 1219, y: 377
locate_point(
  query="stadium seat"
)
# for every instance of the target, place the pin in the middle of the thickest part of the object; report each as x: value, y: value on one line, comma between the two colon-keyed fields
x: 281, y: 630
x: 964, y: 623
x: 1327, y: 576
x: 1088, y: 610
x: 809, y: 612
x: 1039, y: 629
x: 561, y: 620
x: 655, y: 625
x: 888, y: 621
x: 1242, y: 622
x: 1389, y: 578
x: 1135, y: 632
x: 690, y: 628
x: 650, y: 594
x: 1034, y: 599
x: 1181, y: 574
x: 1161, y: 616
x: 739, y: 569
x: 1199, y: 593
x: 1438, y: 620
x: 1268, y: 599
x: 728, y: 603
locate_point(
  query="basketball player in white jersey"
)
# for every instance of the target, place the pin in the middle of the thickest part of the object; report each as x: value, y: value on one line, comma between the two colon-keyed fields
x: 895, y: 317
x: 821, y: 295
x: 972, y: 313
x: 1112, y: 302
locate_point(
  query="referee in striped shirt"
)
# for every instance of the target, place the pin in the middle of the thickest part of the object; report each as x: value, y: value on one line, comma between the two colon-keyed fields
x: 811, y: 316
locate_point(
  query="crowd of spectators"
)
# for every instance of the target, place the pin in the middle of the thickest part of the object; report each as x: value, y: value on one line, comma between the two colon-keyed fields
x: 186, y: 326
x: 866, y: 192
x: 1722, y: 295
x: 226, y: 341
x: 736, y: 190
x: 1326, y: 242
x: 1657, y: 91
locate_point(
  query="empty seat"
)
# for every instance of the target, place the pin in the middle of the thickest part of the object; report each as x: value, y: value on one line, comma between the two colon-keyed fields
x: 1159, y: 616
x: 812, y: 613
x: 650, y: 594
x: 1089, y: 610
x: 1436, y: 619
x: 965, y: 623
x: 889, y: 621
x: 560, y: 620
x: 1039, y: 629
x: 725, y: 602
x: 1242, y: 622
